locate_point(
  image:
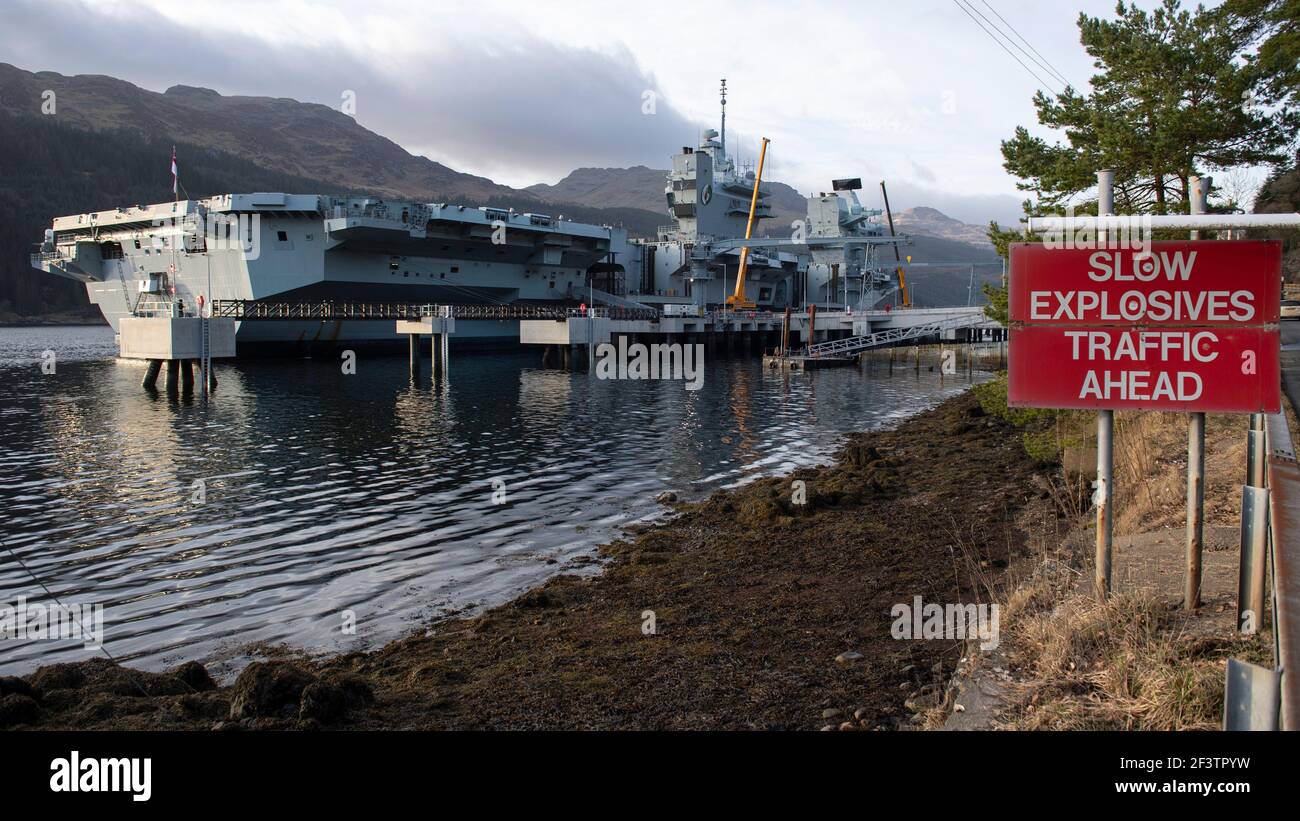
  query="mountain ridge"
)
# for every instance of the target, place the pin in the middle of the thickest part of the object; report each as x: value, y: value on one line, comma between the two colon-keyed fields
x: 107, y: 143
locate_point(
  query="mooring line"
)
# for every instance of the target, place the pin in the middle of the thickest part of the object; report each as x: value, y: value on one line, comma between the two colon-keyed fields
x: 80, y: 626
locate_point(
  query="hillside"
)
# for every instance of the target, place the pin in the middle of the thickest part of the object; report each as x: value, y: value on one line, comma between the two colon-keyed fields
x: 49, y: 169
x: 303, y: 139
x: 643, y: 188
x: 935, y: 223
x: 109, y: 143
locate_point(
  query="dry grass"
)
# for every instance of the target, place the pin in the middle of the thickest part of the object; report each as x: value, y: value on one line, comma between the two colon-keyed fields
x: 1151, y: 470
x: 1150, y: 460
x: 1130, y: 663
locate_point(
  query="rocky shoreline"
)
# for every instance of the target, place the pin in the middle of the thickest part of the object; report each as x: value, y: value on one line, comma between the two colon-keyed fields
x: 747, y: 610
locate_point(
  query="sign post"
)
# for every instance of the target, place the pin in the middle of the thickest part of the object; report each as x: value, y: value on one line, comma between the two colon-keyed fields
x: 1195, y: 456
x: 1105, y: 432
x: 1188, y: 326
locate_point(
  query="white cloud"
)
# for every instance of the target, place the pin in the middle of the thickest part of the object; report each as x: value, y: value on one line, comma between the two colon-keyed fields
x: 524, y: 92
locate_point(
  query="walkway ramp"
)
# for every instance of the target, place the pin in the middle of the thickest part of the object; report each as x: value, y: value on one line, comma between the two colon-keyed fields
x: 854, y: 344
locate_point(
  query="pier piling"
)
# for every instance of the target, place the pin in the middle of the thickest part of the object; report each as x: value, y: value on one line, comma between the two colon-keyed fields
x: 150, y: 381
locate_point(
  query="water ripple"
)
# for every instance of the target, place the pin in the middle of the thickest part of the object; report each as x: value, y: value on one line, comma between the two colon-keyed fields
x: 324, y: 493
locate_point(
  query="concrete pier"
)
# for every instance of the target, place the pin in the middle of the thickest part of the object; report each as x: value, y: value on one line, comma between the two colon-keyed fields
x: 177, y: 343
x: 760, y: 330
x: 440, y: 328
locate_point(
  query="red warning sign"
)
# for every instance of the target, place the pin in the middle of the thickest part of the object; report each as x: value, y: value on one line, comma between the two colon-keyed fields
x: 1183, y: 326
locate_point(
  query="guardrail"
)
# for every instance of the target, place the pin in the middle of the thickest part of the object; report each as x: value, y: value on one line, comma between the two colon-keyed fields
x: 1284, y: 547
x: 1255, y: 697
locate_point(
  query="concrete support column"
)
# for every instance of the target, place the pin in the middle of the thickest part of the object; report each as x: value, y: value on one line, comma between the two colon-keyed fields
x: 150, y: 381
x: 173, y: 375
x: 438, y: 353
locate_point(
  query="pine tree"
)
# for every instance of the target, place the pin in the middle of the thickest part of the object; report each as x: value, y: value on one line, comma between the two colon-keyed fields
x: 1174, y: 95
x: 1177, y: 93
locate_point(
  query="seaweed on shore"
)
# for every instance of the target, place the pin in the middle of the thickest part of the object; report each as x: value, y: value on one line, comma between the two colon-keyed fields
x: 764, y: 607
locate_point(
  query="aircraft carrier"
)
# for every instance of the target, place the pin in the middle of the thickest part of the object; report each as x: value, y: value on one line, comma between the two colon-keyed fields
x: 314, y: 248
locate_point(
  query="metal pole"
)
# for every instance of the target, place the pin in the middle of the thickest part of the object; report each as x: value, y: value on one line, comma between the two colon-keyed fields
x: 1173, y: 222
x: 1256, y: 451
x: 204, y: 330
x: 1195, y: 509
x: 1105, y: 430
x: 1195, y: 457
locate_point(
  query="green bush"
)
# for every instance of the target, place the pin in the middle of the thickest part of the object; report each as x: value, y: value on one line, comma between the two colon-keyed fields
x: 1045, y: 431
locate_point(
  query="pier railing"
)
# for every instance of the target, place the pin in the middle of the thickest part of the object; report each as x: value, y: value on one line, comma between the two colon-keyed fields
x: 328, y: 310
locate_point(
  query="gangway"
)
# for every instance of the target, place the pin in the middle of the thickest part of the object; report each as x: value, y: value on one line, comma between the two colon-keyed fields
x: 838, y: 348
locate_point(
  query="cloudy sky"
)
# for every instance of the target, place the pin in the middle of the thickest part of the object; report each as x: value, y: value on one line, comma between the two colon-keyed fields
x: 523, y: 92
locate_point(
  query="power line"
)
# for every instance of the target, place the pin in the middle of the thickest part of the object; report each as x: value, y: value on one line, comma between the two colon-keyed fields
x: 1048, y: 66
x: 1013, y: 43
x: 995, y: 38
x: 80, y: 626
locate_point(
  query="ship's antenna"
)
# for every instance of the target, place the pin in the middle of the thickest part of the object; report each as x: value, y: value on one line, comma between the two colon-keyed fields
x: 724, y: 115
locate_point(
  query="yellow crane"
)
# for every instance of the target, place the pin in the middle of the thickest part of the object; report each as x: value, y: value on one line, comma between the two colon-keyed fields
x: 737, y: 301
x: 902, y: 279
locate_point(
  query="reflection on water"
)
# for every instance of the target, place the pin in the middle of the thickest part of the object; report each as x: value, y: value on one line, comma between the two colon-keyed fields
x: 299, y: 493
